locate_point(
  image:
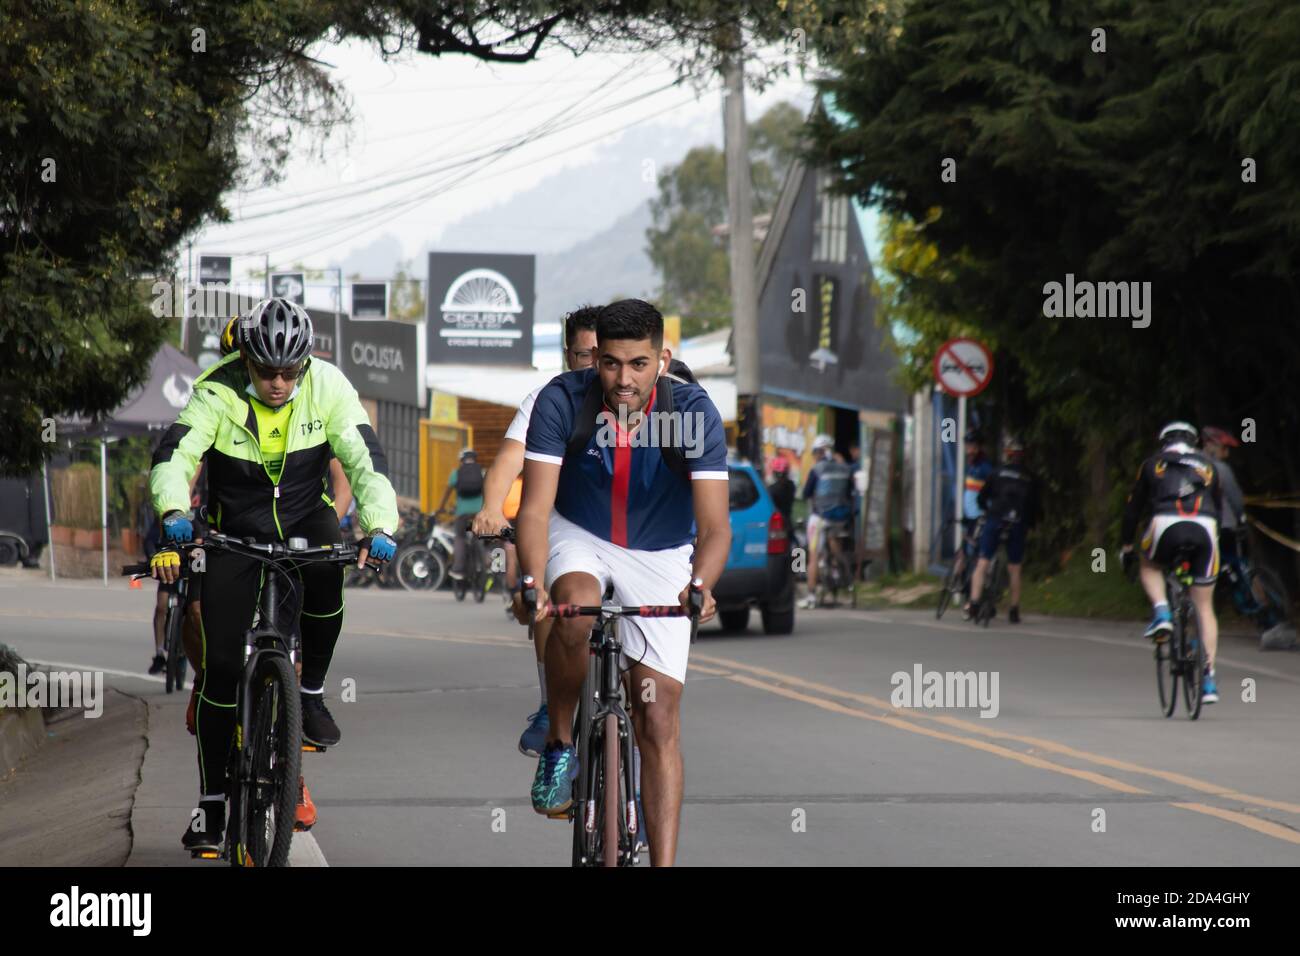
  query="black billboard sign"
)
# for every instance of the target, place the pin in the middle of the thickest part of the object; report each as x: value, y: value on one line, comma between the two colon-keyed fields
x: 481, y: 308
x: 289, y: 285
x: 380, y: 359
x: 370, y: 300
x: 214, y: 269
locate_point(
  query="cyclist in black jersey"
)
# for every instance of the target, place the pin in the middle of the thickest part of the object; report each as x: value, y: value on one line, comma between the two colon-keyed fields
x: 1009, y: 499
x: 1179, y: 487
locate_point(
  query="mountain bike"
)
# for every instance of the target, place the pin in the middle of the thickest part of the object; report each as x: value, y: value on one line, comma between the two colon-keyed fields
x: 956, y: 584
x: 604, y: 811
x: 1182, y: 656
x: 265, y: 759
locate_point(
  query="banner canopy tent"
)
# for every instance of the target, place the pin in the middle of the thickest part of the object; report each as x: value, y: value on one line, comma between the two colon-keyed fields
x: 151, y: 407
x: 154, y: 405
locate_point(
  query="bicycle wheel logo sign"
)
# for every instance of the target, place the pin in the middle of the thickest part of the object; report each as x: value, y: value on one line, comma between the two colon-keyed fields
x: 963, y: 367
x: 481, y: 304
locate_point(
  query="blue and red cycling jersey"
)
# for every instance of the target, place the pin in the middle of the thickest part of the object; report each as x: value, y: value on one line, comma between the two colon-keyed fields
x: 623, y: 491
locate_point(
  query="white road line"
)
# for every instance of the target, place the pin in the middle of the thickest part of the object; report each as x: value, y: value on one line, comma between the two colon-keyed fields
x: 305, y: 851
x: 106, y: 670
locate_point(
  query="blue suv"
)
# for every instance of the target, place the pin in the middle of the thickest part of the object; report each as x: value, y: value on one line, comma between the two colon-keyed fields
x: 758, y: 568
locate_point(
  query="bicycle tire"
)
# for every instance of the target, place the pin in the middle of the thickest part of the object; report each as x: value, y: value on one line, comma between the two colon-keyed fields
x: 1167, y: 670
x: 1273, y: 593
x: 584, y: 848
x: 1193, y: 654
x: 949, y: 586
x: 419, y: 569
x: 611, y: 804
x: 172, y: 646
x: 265, y: 805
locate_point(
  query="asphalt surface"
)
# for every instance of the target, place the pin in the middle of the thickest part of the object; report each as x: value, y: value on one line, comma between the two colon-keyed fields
x: 794, y: 753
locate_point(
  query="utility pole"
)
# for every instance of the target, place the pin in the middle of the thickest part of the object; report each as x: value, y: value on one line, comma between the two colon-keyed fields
x: 740, y: 214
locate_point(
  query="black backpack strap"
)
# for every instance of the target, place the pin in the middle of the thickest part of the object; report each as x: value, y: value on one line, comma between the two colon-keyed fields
x: 584, y: 425
x: 672, y: 454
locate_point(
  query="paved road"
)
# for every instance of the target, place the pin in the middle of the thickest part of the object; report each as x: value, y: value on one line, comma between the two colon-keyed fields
x: 794, y: 753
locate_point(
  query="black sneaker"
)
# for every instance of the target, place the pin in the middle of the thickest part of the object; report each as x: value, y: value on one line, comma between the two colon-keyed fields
x: 1013, y: 615
x: 318, y: 725
x: 206, y: 827
x: 159, y: 664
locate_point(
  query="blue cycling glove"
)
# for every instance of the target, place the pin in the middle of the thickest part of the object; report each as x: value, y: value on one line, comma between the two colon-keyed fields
x: 382, y: 546
x: 177, y: 528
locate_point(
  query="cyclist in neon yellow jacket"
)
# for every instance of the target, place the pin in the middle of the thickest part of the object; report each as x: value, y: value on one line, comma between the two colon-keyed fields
x: 268, y: 418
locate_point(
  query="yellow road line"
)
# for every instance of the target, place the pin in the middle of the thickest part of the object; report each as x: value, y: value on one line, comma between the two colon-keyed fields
x: 1109, y: 783
x: 978, y: 727
x: 1267, y: 827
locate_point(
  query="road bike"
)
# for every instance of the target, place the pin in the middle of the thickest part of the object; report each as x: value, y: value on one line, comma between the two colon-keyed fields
x: 834, y: 566
x: 604, y: 809
x: 265, y: 761
x: 173, y: 630
x: 995, y: 580
x: 1182, y: 656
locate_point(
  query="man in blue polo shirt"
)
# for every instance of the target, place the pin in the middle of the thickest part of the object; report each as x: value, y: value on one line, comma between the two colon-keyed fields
x: 650, y: 519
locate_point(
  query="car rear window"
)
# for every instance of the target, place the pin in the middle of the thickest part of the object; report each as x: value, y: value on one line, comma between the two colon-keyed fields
x: 742, y: 490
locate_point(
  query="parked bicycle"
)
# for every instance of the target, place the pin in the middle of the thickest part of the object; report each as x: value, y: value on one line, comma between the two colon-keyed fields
x: 604, y: 811
x: 1256, y: 591
x: 265, y: 760
x: 421, y: 563
x: 1182, y: 656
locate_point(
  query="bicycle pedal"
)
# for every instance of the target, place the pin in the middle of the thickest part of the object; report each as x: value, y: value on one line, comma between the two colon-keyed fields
x: 561, y: 815
x: 205, y: 854
x: 313, y: 748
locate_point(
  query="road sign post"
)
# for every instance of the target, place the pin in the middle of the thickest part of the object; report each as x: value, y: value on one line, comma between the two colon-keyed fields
x: 963, y: 368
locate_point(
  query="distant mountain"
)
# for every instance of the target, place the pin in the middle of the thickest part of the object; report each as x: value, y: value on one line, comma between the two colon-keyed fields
x: 611, y: 262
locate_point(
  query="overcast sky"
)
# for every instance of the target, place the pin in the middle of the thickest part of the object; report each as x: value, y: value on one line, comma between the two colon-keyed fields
x: 422, y: 150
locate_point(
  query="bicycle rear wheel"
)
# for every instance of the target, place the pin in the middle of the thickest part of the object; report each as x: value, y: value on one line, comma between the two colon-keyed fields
x: 1167, y: 675
x: 263, y: 805
x: 1193, y: 657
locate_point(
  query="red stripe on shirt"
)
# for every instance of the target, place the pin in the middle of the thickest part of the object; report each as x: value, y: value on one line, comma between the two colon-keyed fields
x: 622, y: 481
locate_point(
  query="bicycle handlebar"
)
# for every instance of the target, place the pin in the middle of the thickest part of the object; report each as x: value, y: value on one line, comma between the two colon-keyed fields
x: 269, y: 552
x: 621, y: 610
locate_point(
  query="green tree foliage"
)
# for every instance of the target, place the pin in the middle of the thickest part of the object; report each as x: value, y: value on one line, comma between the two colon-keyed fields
x: 149, y: 112
x: 121, y: 126
x: 692, y: 260
x: 1125, y: 165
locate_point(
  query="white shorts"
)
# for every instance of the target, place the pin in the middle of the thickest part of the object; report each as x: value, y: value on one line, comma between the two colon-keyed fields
x: 640, y: 577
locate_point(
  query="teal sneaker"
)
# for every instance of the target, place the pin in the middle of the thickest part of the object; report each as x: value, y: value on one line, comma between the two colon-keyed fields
x: 1209, y: 689
x: 557, y: 768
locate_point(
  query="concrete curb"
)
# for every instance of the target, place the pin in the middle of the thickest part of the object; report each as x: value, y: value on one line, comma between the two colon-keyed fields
x: 22, y: 731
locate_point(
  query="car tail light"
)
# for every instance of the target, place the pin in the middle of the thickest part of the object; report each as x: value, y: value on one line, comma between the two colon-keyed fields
x: 776, y: 534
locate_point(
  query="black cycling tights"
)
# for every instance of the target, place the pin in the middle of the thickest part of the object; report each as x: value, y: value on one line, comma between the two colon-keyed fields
x: 231, y: 585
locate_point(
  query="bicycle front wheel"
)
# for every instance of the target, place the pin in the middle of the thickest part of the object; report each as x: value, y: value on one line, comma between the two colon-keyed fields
x: 175, y: 677
x: 612, y: 804
x: 267, y: 799
x: 419, y: 569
